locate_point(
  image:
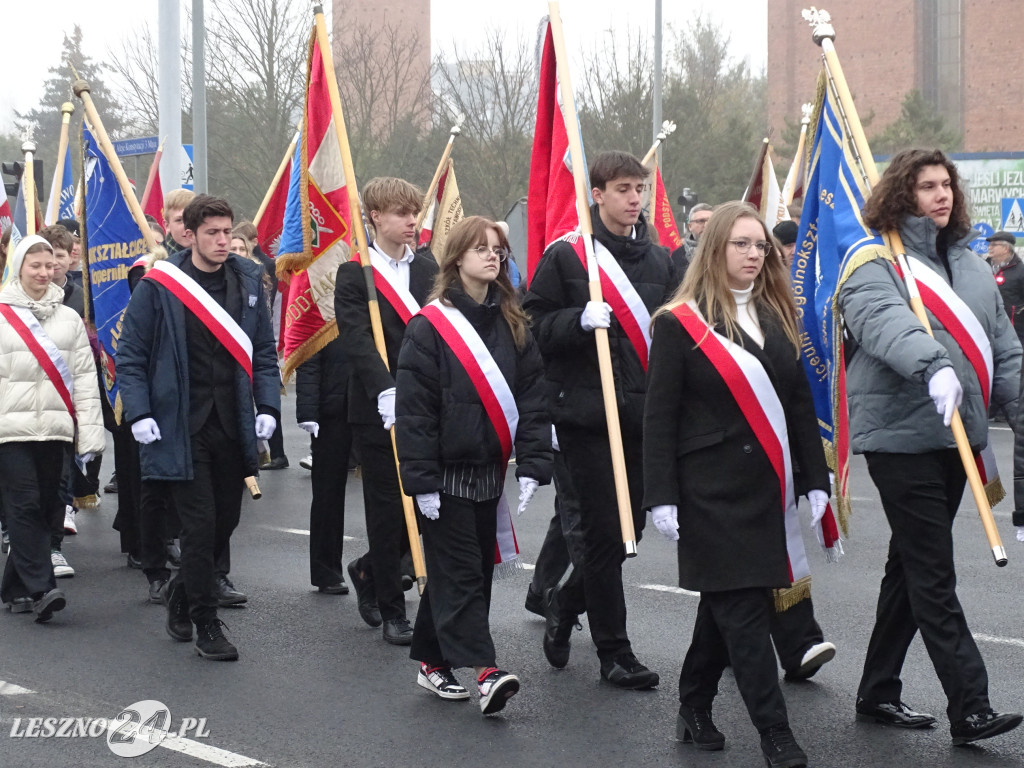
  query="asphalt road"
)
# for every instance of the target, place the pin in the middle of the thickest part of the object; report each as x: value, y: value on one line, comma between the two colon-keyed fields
x: 316, y: 687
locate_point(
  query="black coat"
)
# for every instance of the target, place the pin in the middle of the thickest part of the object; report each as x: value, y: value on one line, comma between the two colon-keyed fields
x: 440, y: 418
x: 1010, y: 279
x: 701, y: 455
x: 369, y: 375
x: 321, y: 385
x: 555, y: 300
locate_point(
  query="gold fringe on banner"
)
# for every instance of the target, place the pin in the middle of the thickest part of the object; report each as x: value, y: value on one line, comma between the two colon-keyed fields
x: 787, y: 598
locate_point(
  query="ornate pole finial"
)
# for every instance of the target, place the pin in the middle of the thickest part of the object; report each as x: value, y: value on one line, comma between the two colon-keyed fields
x: 667, y: 129
x: 805, y: 111
x: 459, y: 120
x: 821, y: 24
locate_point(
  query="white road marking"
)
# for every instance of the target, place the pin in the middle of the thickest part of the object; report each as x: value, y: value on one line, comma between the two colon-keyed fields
x: 10, y: 689
x: 299, y: 531
x: 209, y: 754
x: 670, y: 590
x: 1000, y: 640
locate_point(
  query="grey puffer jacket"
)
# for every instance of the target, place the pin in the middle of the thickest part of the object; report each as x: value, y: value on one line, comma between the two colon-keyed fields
x: 887, y: 377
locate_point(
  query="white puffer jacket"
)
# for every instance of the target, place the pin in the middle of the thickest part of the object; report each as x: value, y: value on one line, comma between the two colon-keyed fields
x: 30, y: 408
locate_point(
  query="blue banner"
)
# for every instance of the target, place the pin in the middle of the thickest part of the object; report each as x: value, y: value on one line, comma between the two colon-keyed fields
x: 291, y: 233
x: 66, y: 192
x: 114, y: 242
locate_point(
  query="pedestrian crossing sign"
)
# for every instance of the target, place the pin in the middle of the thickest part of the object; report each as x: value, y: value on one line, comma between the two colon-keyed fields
x: 1012, y: 219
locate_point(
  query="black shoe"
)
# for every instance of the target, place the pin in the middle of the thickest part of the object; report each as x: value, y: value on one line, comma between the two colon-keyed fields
x: 173, y: 554
x: 983, y: 725
x: 20, y: 605
x: 156, y: 591
x: 49, y: 604
x: 626, y: 672
x: 367, y: 599
x: 227, y: 595
x: 535, y: 602
x: 281, y: 462
x: 408, y: 577
x: 780, y: 748
x: 341, y: 588
x: 557, y: 631
x: 211, y: 643
x: 398, y: 632
x: 894, y: 713
x: 179, y: 625
x: 111, y: 487
x: 696, y: 725
x: 134, y: 563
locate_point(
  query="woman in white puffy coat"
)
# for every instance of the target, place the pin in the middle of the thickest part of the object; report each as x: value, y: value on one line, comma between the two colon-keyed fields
x: 36, y: 426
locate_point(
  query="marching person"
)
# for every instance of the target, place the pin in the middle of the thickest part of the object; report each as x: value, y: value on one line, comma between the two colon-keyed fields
x: 51, y: 405
x: 403, y: 280
x: 470, y: 388
x: 196, y: 359
x: 731, y: 331
x: 897, y: 378
x: 564, y: 319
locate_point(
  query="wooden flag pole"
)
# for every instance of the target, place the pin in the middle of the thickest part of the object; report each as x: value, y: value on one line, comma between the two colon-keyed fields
x: 667, y: 129
x: 67, y: 109
x: 154, y: 168
x: 758, y: 170
x: 81, y: 89
x: 824, y: 35
x: 432, y: 189
x: 28, y: 185
x: 359, y: 235
x: 805, y: 120
x: 288, y: 153
x: 604, y: 355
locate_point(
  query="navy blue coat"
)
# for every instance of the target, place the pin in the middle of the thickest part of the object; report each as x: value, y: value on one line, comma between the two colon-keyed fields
x: 152, y: 370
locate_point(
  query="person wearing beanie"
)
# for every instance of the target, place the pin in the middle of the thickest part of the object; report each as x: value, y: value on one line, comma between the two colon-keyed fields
x: 785, y: 232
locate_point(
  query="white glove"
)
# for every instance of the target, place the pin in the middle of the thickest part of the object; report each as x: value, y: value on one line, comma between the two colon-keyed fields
x: 429, y: 504
x: 554, y: 439
x: 85, y: 458
x: 666, y: 519
x: 597, y: 314
x: 311, y: 427
x: 819, y: 503
x: 386, y: 407
x: 1020, y: 533
x: 265, y: 426
x: 527, y: 487
x: 145, y: 431
x: 945, y: 391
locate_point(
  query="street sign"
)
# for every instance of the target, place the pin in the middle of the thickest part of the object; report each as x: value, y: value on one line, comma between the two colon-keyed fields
x: 980, y: 244
x: 186, y: 173
x: 144, y: 145
x: 1012, y: 219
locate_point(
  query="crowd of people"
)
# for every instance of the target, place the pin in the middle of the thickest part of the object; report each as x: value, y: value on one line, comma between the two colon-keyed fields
x: 468, y: 371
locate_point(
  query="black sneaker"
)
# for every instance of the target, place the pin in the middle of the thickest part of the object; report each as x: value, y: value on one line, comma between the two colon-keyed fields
x: 983, y: 725
x: 48, y: 604
x: 780, y: 748
x: 179, y: 625
x: 398, y: 632
x: 695, y: 725
x: 365, y: 596
x: 281, y: 462
x: 557, y: 631
x: 626, y: 672
x: 441, y: 682
x: 227, y: 595
x: 496, y: 688
x: 211, y: 643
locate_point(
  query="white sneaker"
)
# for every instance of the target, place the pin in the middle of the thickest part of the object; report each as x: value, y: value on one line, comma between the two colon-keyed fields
x: 496, y: 689
x: 817, y: 656
x: 61, y: 569
x: 441, y: 682
x: 69, y: 520
x: 306, y: 462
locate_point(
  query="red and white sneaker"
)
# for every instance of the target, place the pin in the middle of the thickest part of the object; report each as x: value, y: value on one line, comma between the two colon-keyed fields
x: 441, y: 682
x: 496, y: 688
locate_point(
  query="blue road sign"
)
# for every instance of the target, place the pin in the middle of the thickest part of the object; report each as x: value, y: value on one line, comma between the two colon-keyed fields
x: 1012, y: 218
x: 144, y: 145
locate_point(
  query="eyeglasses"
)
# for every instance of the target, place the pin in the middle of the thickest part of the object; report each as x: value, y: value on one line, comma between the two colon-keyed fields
x: 700, y: 221
x: 485, y: 251
x: 743, y: 246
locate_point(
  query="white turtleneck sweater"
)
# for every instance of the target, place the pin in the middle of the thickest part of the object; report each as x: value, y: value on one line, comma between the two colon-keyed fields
x: 746, y: 314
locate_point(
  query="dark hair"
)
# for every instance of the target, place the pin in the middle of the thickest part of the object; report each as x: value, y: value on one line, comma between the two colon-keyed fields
x: 894, y: 197
x: 467, y: 234
x: 609, y: 166
x: 58, y: 236
x: 205, y: 207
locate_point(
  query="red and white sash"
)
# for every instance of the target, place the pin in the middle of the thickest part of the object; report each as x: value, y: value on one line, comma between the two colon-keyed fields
x: 616, y: 289
x: 495, y: 394
x: 210, y: 313
x: 963, y: 325
x: 385, y: 278
x: 753, y: 391
x: 44, y: 350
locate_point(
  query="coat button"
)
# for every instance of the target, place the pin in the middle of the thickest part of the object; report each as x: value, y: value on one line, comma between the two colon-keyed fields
x: 747, y: 448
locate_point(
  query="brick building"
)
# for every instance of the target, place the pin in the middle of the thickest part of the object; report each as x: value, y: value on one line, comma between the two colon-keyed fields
x: 961, y: 55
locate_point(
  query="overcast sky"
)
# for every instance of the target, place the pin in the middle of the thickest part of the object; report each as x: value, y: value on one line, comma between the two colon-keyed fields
x: 32, y: 45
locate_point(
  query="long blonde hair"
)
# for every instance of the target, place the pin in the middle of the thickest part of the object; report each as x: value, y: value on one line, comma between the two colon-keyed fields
x: 706, y: 282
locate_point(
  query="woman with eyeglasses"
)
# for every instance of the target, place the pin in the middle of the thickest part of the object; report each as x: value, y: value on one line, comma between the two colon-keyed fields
x: 470, y: 386
x: 730, y: 441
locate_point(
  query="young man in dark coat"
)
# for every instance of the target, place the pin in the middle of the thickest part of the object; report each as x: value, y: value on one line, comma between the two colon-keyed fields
x: 564, y: 320
x: 1009, y: 273
x: 190, y: 401
x: 392, y: 205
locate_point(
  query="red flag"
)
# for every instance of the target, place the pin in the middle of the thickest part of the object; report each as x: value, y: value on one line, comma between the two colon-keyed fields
x: 662, y: 218
x: 6, y: 219
x: 271, y: 223
x: 551, y: 200
x: 154, y: 204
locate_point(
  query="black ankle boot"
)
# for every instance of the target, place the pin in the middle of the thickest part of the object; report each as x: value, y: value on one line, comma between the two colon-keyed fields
x: 211, y: 643
x: 780, y: 748
x: 695, y: 725
x: 179, y: 625
x: 558, y: 630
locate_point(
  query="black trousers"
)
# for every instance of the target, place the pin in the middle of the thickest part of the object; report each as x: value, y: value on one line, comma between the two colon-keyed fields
x: 597, y: 585
x: 30, y: 474
x: 920, y: 495
x: 158, y: 524
x: 385, y: 519
x: 129, y: 487
x: 794, y: 631
x: 733, y: 626
x: 209, y: 507
x: 331, y: 449
x: 563, y: 530
x: 452, y: 627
